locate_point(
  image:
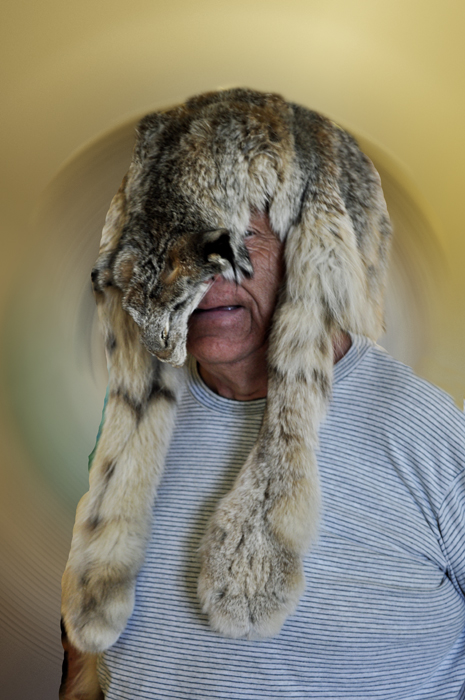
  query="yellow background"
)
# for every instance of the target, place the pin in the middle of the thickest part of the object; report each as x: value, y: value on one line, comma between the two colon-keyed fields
x: 75, y: 77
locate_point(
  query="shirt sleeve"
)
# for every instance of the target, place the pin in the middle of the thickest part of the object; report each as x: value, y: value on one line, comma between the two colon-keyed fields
x: 452, y: 528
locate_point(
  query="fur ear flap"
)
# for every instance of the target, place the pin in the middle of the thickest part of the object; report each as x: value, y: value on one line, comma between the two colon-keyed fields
x: 324, y: 269
x: 113, y: 519
x: 252, y: 575
x: 147, y: 131
x: 342, y: 234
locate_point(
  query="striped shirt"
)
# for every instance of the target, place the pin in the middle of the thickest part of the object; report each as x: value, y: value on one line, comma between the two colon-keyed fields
x: 383, y: 613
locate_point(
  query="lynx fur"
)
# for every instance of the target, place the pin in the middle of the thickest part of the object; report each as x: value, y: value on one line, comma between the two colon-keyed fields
x: 180, y: 218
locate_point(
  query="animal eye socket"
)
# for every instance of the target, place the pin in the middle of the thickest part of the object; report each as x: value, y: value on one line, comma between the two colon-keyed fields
x: 249, y: 233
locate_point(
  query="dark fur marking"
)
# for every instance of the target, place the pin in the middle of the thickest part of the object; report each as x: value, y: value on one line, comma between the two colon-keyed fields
x: 272, y: 135
x: 285, y: 437
x: 252, y: 617
x: 222, y: 247
x: 138, y: 408
x: 267, y: 493
x: 322, y: 344
x: 111, y: 343
x: 94, y: 279
x: 335, y: 232
x: 180, y: 305
x: 97, y: 284
x: 157, y: 391
x: 108, y: 585
x: 109, y: 470
x: 90, y: 604
x: 280, y: 376
x: 303, y: 200
x: 276, y: 373
x: 84, y: 580
x: 135, y: 406
x: 93, y: 522
x: 328, y: 314
x: 248, y: 274
x: 322, y: 381
x: 240, y: 543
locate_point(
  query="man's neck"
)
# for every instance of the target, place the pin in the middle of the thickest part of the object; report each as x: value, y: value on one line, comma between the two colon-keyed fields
x: 247, y: 379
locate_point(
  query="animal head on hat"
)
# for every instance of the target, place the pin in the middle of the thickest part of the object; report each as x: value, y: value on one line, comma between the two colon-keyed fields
x: 198, y: 170
x: 180, y: 218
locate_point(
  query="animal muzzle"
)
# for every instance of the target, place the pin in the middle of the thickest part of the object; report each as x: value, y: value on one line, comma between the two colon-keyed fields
x: 165, y: 339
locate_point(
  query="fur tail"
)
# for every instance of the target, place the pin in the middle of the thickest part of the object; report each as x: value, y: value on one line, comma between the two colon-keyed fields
x: 113, y: 519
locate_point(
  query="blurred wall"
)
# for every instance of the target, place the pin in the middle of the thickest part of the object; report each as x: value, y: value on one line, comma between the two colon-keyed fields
x: 75, y: 77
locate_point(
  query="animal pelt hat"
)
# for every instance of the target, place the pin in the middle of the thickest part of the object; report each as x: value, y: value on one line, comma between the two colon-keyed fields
x: 179, y: 218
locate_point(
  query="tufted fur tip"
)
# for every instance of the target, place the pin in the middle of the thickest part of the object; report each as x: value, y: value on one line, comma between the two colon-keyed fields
x: 251, y: 578
x: 95, y: 616
x: 259, y: 616
x: 95, y: 636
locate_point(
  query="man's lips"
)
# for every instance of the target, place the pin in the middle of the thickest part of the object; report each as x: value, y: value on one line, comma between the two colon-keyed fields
x: 219, y: 309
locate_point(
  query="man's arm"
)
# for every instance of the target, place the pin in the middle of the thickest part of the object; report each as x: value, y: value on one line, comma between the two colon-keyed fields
x: 79, y: 673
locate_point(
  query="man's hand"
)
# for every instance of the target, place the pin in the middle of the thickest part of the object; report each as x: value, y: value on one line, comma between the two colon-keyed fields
x: 79, y: 673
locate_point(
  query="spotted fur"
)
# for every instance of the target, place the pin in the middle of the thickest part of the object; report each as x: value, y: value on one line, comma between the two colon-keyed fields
x: 179, y: 218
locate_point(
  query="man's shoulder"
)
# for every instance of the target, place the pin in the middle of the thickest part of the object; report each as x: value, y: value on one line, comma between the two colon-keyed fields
x: 410, y: 397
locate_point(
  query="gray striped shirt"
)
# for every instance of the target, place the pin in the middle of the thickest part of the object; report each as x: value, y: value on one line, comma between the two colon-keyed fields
x: 383, y: 614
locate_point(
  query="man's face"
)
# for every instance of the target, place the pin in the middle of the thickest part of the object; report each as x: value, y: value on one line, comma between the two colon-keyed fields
x: 232, y: 321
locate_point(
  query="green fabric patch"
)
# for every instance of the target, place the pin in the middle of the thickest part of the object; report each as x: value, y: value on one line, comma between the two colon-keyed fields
x: 100, y: 428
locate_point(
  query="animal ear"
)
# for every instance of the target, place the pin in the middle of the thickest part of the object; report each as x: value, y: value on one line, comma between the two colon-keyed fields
x: 102, y: 273
x: 341, y: 235
x: 146, y: 132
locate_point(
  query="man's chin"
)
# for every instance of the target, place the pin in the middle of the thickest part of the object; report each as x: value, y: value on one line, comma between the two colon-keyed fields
x: 226, y: 348
x: 224, y: 334
x: 228, y: 322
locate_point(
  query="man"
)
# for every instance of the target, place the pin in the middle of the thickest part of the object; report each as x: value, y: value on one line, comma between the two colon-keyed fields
x: 254, y: 233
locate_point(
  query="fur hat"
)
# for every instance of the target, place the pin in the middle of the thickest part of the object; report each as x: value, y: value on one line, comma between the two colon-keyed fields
x: 179, y: 218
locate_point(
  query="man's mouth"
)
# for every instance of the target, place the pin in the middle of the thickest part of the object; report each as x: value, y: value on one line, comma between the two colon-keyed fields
x: 217, y: 308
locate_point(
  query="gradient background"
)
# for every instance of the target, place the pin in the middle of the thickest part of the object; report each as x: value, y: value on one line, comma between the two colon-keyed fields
x: 75, y: 78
